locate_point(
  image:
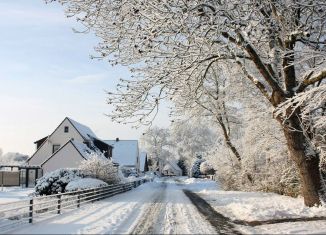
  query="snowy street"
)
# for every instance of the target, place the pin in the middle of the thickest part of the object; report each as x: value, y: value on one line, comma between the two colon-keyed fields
x: 157, y: 207
x: 184, y: 205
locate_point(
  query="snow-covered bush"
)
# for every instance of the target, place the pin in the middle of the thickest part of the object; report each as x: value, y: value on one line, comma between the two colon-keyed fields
x: 84, y: 183
x: 100, y: 168
x: 56, y: 181
x: 126, y: 171
x: 195, y: 170
x: 206, y: 168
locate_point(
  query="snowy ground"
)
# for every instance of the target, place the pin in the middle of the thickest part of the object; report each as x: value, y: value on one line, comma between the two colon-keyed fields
x: 257, y: 206
x: 11, y: 194
x: 162, y: 207
x: 157, y: 207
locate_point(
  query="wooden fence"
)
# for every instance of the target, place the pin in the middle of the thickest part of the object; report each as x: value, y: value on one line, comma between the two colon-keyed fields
x: 39, y: 208
x: 9, y: 178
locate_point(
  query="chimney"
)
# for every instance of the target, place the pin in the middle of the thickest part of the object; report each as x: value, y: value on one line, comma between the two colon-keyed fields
x: 117, y: 139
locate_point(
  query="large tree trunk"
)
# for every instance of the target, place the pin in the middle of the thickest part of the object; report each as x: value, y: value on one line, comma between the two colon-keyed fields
x: 308, y: 166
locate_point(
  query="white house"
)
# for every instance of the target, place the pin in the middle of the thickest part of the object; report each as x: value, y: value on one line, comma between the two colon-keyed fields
x: 125, y: 153
x: 171, y: 168
x: 68, y: 145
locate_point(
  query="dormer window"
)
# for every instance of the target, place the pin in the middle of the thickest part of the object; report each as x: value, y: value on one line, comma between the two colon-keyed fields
x: 66, y: 129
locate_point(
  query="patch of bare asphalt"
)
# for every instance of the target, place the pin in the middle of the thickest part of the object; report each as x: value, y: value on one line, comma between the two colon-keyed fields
x: 222, y: 224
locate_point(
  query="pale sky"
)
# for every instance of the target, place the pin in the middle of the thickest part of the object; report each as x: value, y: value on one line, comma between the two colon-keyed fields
x: 46, y: 74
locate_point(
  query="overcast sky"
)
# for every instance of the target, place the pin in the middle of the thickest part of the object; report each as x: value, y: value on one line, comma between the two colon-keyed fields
x: 46, y: 74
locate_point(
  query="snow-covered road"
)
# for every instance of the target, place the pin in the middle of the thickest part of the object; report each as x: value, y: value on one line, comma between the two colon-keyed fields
x: 157, y: 207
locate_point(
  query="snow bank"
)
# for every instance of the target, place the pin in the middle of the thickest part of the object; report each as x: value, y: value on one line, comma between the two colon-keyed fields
x: 85, y: 183
x: 251, y: 206
x: 200, y: 185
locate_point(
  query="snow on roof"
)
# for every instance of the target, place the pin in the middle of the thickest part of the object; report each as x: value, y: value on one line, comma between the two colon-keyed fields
x: 85, y: 131
x: 85, y: 151
x: 142, y: 158
x: 170, y: 164
x: 125, y: 152
x: 168, y: 167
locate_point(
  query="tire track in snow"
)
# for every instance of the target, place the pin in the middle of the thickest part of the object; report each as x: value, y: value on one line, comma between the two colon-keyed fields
x: 171, y: 212
x: 152, y: 216
x: 123, y: 221
x: 182, y: 217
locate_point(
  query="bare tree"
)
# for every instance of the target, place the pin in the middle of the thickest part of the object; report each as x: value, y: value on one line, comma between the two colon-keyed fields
x: 278, y: 45
x: 191, y: 138
x: 209, y: 100
x: 156, y: 142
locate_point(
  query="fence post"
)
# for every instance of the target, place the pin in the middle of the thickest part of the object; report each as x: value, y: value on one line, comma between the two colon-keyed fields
x: 30, y: 211
x: 59, y: 204
x: 94, y: 195
x: 78, y: 200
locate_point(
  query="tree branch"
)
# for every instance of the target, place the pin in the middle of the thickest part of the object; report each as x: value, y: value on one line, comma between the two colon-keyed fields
x: 264, y: 71
x: 309, y: 80
x: 257, y: 83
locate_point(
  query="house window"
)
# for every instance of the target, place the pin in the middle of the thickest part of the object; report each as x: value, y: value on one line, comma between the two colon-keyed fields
x: 55, y: 148
x: 66, y: 129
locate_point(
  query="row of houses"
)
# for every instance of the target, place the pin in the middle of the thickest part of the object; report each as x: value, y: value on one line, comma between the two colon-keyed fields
x: 72, y: 142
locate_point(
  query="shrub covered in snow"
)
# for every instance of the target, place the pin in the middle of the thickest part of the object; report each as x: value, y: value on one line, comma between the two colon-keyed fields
x: 195, y: 170
x: 206, y: 168
x: 85, y: 183
x: 100, y: 168
x: 56, y: 181
x: 129, y: 172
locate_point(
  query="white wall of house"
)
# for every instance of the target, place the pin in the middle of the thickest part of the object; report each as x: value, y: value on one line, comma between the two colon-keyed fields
x: 125, y: 153
x: 59, y: 137
x: 71, y: 156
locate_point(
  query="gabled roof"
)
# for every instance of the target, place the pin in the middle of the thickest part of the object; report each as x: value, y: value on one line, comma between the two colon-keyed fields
x: 83, y: 130
x: 170, y: 164
x: 125, y: 152
x: 83, y: 150
x: 69, y: 141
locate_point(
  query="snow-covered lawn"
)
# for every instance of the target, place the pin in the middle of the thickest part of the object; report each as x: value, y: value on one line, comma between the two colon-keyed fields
x: 11, y: 194
x: 258, y: 206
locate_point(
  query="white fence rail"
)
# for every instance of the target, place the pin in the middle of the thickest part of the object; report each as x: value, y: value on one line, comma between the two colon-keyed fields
x: 44, y: 207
